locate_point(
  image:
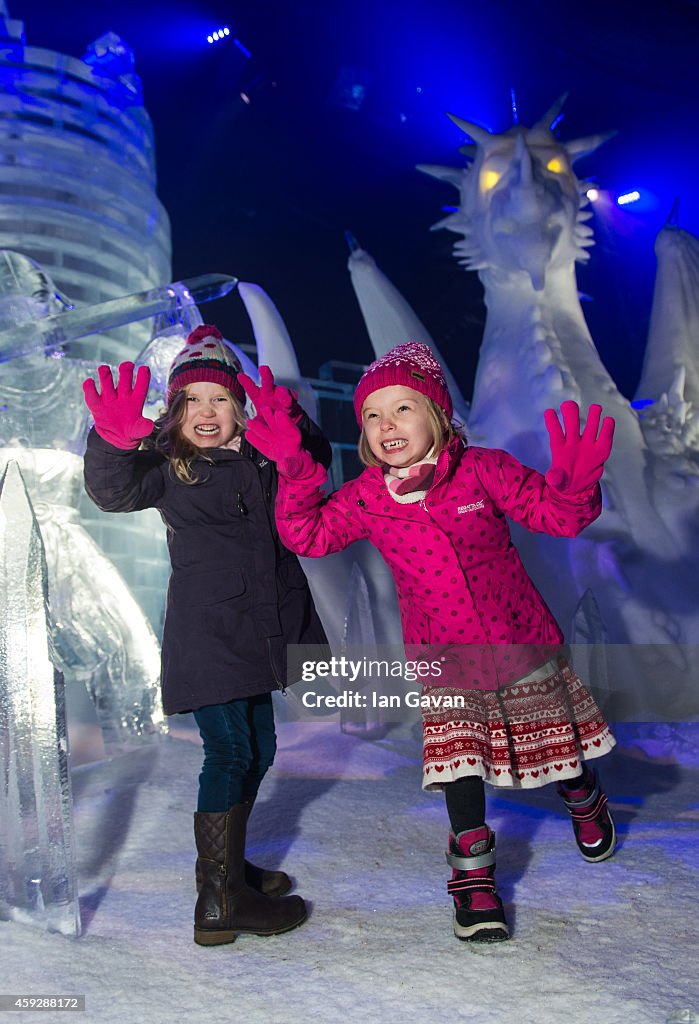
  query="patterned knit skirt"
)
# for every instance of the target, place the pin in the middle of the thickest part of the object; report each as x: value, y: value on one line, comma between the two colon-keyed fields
x: 524, y: 735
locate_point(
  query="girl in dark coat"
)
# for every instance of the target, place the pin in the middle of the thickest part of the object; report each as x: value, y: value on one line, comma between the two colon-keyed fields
x: 236, y: 598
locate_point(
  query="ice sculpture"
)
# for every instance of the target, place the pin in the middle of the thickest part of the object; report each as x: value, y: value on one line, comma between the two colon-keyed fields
x: 391, y: 321
x: 523, y: 225
x: 98, y: 631
x: 77, y: 192
x: 668, y: 392
x: 78, y: 195
x: 37, y: 877
x: 631, y: 578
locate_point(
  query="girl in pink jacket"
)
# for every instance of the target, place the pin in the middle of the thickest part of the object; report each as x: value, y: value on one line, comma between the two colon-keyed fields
x: 435, y: 508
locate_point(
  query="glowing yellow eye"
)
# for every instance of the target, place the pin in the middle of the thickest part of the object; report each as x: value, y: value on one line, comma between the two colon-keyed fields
x: 555, y: 165
x: 489, y: 179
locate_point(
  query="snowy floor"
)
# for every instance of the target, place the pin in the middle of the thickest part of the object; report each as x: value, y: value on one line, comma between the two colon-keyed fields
x: 592, y: 944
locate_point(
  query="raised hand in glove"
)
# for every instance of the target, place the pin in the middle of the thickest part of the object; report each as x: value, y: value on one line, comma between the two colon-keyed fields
x: 270, y: 395
x: 274, y: 433
x: 118, y: 412
x: 577, y: 460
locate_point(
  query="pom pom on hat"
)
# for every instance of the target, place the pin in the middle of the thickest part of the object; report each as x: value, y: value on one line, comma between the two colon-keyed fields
x: 205, y: 357
x: 411, y: 365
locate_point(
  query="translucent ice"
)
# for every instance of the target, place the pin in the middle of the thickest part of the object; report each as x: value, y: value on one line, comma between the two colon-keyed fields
x: 37, y: 877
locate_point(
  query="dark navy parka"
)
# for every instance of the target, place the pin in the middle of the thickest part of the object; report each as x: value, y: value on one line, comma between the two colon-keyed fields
x: 236, y: 597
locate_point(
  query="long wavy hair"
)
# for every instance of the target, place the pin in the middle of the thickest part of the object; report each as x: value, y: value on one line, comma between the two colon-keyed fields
x: 444, y: 431
x: 168, y: 439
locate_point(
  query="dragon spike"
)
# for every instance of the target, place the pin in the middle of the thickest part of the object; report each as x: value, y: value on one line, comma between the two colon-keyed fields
x: 453, y: 222
x: 581, y: 147
x: 552, y: 113
x: 673, y: 218
x: 451, y: 174
x: 479, y: 135
x: 523, y: 158
x: 352, y: 243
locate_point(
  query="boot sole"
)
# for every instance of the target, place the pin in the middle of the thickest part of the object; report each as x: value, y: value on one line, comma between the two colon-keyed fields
x: 219, y: 938
x: 481, y: 931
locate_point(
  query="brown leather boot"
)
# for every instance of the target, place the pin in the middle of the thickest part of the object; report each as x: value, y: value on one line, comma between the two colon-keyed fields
x: 226, y: 904
x: 269, y: 883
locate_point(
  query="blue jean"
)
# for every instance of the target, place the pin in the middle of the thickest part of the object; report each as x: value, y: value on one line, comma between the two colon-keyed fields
x: 239, y: 746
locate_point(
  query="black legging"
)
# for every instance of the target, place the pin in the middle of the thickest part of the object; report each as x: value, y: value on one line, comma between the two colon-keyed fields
x: 465, y: 803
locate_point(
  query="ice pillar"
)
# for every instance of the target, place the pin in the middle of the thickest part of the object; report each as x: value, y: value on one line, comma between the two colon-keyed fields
x: 37, y: 876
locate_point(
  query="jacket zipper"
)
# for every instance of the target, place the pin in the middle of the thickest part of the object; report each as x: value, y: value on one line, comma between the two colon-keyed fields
x: 280, y: 686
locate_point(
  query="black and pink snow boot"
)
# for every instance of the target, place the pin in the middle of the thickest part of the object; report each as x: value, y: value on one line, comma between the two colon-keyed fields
x: 592, y: 823
x: 478, y: 910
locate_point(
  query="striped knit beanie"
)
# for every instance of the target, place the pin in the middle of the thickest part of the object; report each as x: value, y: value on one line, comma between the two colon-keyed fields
x: 412, y: 365
x: 205, y: 357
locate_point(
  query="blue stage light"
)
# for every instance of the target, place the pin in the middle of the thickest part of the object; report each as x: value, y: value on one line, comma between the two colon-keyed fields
x: 628, y: 197
x: 221, y: 33
x: 243, y: 49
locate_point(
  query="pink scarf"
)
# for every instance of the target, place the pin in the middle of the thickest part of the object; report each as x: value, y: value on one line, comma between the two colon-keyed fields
x: 412, y: 483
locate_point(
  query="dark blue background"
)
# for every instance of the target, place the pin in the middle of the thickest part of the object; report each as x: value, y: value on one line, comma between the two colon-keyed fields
x: 264, y: 190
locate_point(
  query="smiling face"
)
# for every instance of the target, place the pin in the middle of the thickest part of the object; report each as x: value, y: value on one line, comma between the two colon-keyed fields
x: 209, y: 417
x: 397, y: 426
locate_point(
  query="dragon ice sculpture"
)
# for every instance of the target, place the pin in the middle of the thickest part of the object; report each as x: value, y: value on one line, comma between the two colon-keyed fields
x: 523, y: 225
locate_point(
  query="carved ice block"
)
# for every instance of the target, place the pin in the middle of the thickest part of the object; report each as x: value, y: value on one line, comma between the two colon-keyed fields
x: 37, y: 875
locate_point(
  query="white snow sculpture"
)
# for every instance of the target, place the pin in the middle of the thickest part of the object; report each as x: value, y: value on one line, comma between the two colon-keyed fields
x: 631, y: 578
x: 390, y: 321
x: 670, y: 380
x: 523, y: 225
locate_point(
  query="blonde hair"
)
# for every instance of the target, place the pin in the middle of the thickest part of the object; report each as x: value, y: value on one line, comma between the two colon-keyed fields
x: 443, y: 432
x: 181, y: 453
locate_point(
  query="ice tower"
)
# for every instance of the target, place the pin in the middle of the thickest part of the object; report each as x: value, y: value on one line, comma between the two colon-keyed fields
x: 77, y: 176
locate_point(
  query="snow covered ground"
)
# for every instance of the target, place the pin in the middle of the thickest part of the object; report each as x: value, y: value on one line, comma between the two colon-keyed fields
x: 592, y: 944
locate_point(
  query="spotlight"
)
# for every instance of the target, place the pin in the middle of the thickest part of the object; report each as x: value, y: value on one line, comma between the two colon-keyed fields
x: 218, y: 34
x: 592, y: 194
x: 628, y: 197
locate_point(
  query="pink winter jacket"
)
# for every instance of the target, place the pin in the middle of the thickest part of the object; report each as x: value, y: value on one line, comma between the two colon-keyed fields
x: 458, y: 575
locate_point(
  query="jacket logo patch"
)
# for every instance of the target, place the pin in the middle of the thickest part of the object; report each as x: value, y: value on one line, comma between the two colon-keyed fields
x: 471, y: 508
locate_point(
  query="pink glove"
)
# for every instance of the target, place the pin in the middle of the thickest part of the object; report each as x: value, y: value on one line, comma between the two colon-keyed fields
x: 577, y: 461
x: 270, y: 395
x: 118, y: 411
x: 275, y: 434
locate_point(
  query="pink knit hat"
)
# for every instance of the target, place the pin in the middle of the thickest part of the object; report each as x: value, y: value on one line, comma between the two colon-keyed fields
x: 205, y: 357
x: 412, y: 365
